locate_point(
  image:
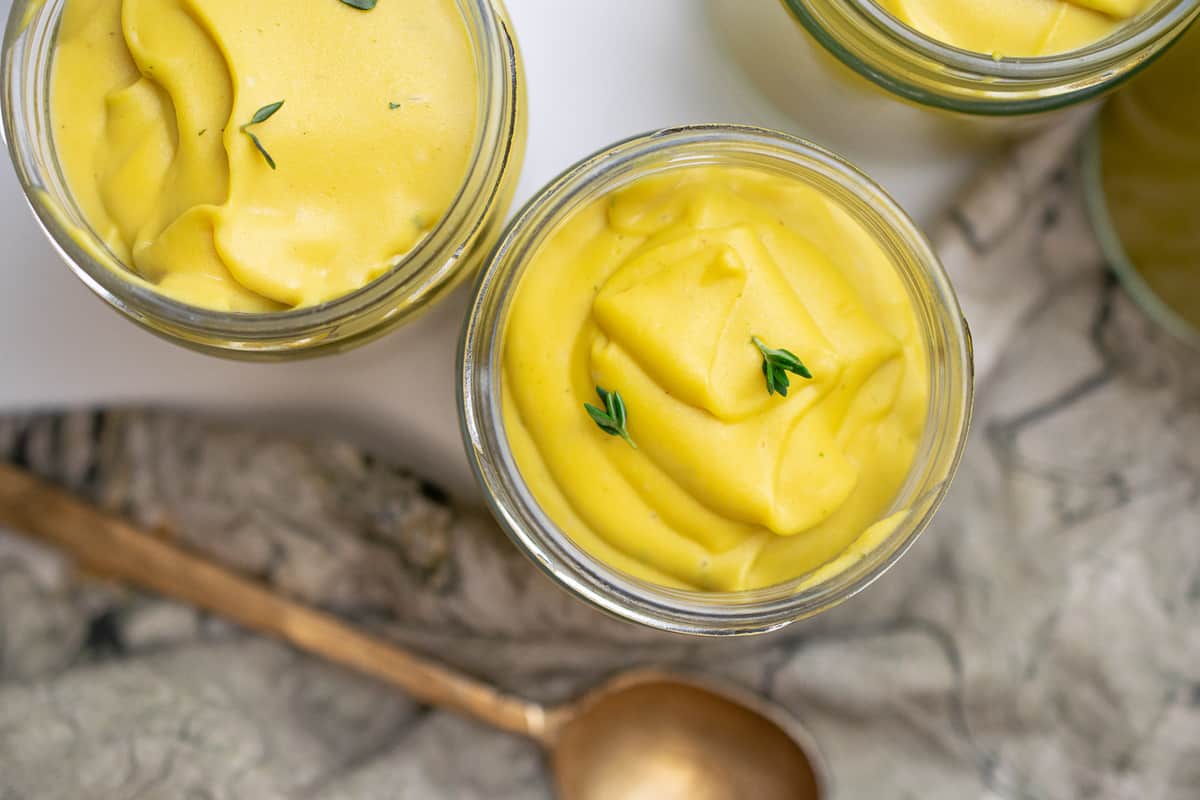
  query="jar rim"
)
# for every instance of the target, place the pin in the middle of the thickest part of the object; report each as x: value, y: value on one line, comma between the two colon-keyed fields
x: 417, y: 278
x: 489, y: 452
x: 1004, y: 85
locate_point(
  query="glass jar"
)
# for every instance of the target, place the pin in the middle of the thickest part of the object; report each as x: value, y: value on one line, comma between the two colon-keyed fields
x: 1140, y: 166
x: 452, y: 248
x: 714, y: 613
x: 850, y: 71
x: 1115, y: 255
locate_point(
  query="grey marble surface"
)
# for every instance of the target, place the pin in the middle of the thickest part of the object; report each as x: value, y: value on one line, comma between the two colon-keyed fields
x: 1041, y: 641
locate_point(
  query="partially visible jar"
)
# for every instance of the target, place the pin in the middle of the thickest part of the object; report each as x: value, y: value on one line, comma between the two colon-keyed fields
x: 452, y: 248
x: 1141, y: 180
x: 943, y: 335
x: 856, y: 75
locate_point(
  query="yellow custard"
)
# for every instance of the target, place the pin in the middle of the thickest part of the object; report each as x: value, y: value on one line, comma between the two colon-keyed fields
x: 149, y: 103
x: 1150, y: 161
x: 1016, y: 28
x: 656, y: 292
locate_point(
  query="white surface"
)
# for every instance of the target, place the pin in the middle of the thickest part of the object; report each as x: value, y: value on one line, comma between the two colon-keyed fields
x: 597, y: 72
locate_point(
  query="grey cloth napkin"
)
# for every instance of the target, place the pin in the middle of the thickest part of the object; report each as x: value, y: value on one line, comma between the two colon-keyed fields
x: 1041, y: 641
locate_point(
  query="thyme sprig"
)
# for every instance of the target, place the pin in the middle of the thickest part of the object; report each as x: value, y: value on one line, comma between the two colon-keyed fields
x: 260, y: 116
x: 777, y: 364
x: 612, y: 418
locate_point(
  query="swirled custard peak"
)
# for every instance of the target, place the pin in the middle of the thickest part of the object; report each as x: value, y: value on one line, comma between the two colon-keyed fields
x: 155, y: 104
x: 658, y: 292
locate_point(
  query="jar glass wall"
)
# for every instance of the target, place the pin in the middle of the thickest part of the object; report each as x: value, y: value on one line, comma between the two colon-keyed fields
x: 943, y: 333
x: 450, y: 249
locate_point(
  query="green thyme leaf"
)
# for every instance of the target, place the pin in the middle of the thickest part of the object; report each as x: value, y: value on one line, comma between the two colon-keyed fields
x: 777, y: 364
x: 393, y: 106
x: 261, y: 149
x: 601, y: 418
x: 361, y: 5
x: 265, y: 113
x: 610, y: 419
x: 262, y: 115
x: 615, y: 406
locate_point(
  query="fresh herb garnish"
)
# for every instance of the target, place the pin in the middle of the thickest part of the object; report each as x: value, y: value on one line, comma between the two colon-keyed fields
x: 265, y: 113
x: 777, y: 364
x: 611, y: 418
x: 361, y: 5
x: 262, y: 115
x: 393, y: 106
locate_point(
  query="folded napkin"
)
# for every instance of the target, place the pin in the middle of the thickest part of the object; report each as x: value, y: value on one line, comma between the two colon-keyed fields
x: 1040, y: 641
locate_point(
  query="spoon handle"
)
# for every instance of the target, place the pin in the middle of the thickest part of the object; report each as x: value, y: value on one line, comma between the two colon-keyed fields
x: 113, y: 548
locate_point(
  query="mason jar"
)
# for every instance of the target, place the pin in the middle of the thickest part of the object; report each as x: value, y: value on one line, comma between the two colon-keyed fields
x: 854, y: 74
x: 453, y: 247
x: 943, y: 333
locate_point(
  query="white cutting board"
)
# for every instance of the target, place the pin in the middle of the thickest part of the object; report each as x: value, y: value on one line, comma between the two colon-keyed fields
x: 597, y: 72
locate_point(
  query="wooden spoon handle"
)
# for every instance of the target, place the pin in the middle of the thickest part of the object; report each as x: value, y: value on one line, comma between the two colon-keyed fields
x: 104, y: 543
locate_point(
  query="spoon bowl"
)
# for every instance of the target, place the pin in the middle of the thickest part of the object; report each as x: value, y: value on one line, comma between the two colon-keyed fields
x: 654, y: 736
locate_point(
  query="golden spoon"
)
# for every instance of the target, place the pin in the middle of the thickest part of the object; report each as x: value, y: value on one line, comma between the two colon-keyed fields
x: 644, y: 735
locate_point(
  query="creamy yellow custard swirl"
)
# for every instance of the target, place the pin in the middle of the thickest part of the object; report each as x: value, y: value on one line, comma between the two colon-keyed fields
x: 149, y: 99
x: 656, y: 292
